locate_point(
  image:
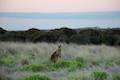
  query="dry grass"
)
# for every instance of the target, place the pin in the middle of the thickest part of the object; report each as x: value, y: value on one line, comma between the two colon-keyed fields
x: 18, y: 60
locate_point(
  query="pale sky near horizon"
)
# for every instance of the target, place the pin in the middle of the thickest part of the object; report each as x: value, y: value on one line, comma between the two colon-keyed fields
x: 59, y: 5
x: 46, y: 14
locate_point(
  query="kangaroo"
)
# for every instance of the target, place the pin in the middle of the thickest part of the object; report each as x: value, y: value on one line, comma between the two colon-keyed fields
x: 56, y: 55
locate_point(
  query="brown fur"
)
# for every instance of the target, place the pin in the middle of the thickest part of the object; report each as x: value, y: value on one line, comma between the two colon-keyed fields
x: 56, y: 55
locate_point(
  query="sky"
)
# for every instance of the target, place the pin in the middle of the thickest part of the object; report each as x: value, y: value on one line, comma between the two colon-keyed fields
x: 59, y: 5
x: 49, y: 14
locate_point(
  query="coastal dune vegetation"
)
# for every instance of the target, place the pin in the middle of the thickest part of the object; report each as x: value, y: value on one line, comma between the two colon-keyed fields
x: 82, y: 36
x: 31, y: 61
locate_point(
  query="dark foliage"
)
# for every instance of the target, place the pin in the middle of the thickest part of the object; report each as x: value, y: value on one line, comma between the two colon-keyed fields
x: 110, y: 36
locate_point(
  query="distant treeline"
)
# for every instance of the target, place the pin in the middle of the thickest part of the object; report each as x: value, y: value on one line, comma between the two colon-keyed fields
x: 109, y: 36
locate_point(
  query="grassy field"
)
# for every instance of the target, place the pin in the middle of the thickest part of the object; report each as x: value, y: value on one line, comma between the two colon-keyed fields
x: 29, y: 61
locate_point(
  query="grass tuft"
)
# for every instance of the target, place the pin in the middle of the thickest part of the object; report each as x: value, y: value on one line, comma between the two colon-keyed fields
x: 34, y: 67
x: 116, y: 76
x: 100, y: 75
x: 37, y: 77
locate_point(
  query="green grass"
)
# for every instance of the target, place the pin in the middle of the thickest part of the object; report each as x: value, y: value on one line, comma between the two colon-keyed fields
x: 34, y: 67
x: 7, y: 61
x: 62, y: 64
x: 80, y: 75
x: 100, y: 75
x: 78, y: 62
x: 70, y: 65
x: 37, y: 77
x: 4, y: 77
x: 116, y: 76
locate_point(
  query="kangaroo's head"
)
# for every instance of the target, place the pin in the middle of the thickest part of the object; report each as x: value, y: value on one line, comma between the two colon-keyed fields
x: 59, y: 48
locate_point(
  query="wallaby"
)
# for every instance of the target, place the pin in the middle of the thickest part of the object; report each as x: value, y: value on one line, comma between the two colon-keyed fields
x: 56, y: 55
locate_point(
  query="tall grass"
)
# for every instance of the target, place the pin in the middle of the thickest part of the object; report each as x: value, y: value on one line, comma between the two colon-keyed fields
x: 78, y: 62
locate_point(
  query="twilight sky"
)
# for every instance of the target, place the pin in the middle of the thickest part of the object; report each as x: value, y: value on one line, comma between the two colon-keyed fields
x: 50, y: 14
x: 59, y: 5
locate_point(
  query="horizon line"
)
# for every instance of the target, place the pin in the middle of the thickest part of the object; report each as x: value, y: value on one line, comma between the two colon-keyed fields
x: 97, y: 27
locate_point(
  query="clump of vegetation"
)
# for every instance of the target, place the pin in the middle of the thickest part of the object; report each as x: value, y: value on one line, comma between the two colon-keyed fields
x: 24, y: 61
x: 116, y: 76
x: 70, y: 65
x: 62, y: 64
x: 35, y: 67
x: 81, y: 60
x: 3, y: 77
x: 81, y: 36
x: 37, y: 77
x: 95, y: 62
x: 8, y: 61
x: 100, y: 75
x: 80, y: 75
